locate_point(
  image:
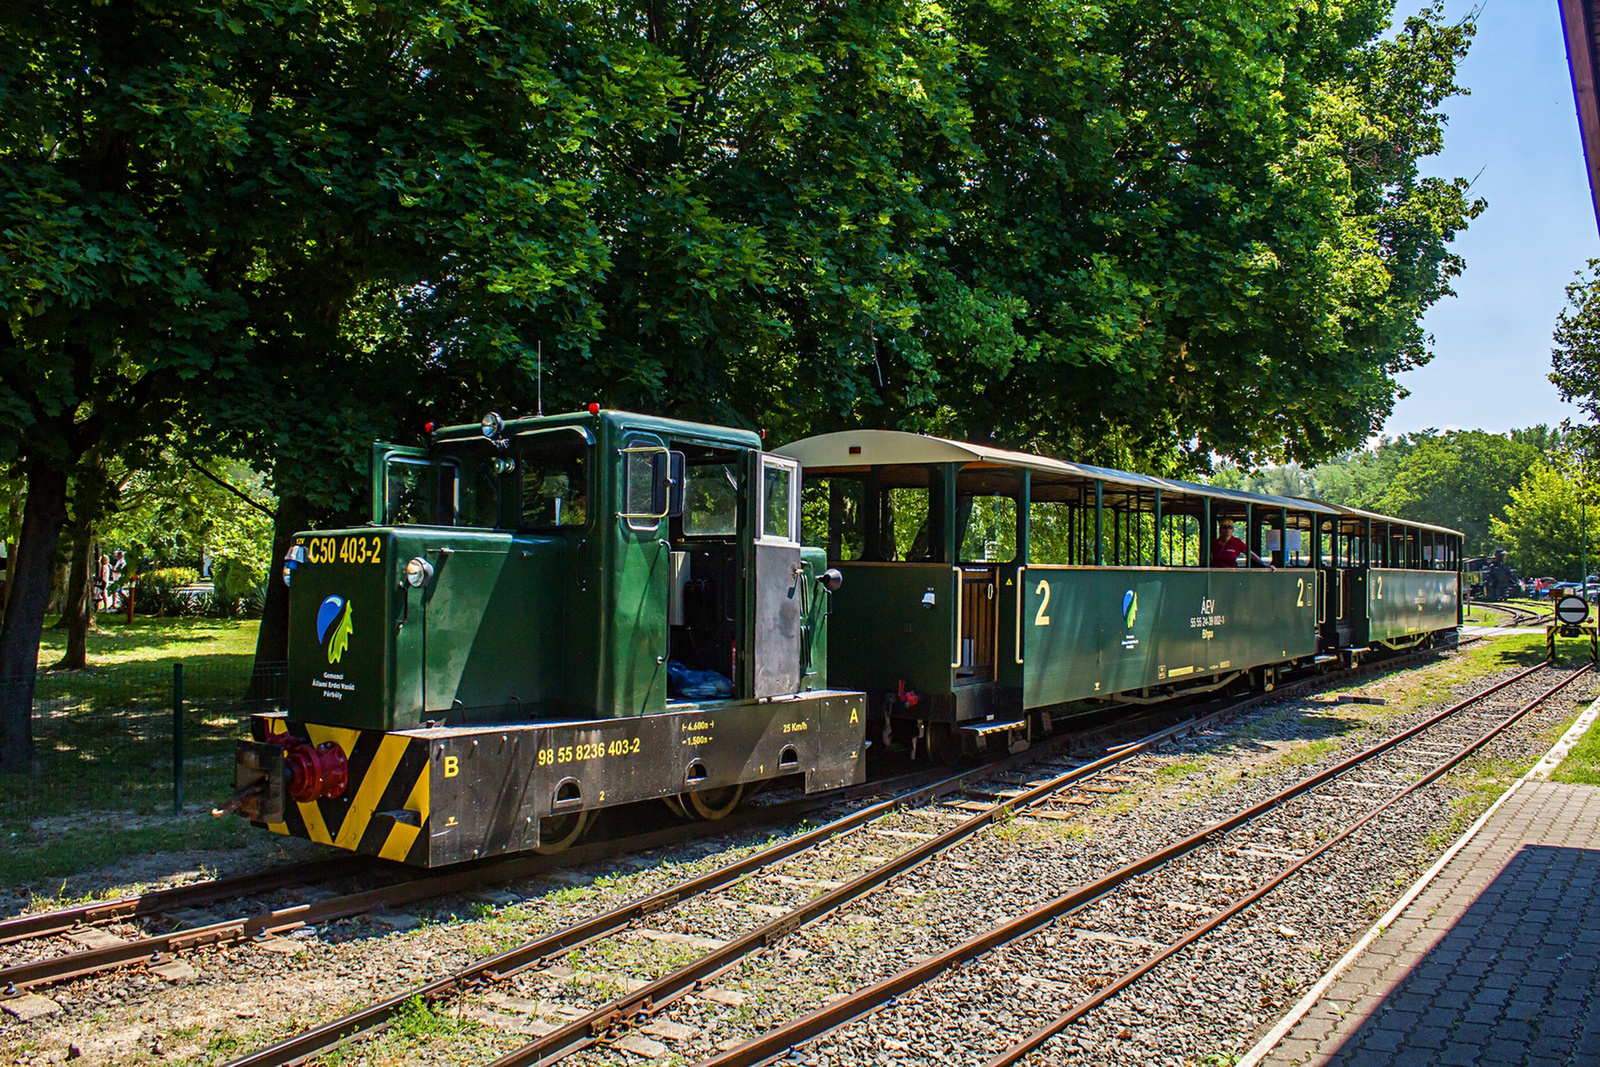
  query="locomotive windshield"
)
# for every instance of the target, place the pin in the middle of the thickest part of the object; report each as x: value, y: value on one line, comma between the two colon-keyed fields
x: 538, y: 480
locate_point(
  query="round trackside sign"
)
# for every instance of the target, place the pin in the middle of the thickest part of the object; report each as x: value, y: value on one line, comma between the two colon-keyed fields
x: 1572, y: 610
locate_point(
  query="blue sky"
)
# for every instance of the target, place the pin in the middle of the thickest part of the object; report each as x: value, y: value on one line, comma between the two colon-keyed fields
x: 1519, y: 128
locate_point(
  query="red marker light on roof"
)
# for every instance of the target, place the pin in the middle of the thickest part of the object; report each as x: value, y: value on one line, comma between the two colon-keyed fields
x: 855, y: 450
x: 427, y: 427
x: 594, y: 409
x: 763, y: 435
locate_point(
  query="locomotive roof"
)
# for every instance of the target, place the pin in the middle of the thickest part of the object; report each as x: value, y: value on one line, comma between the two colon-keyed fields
x: 721, y: 435
x: 886, y: 447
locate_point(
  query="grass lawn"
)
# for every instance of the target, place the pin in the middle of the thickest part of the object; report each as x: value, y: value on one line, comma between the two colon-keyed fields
x: 150, y: 642
x: 1582, y: 765
x: 101, y: 788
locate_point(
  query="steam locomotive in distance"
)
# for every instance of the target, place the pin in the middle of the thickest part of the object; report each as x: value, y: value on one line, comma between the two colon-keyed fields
x: 551, y: 616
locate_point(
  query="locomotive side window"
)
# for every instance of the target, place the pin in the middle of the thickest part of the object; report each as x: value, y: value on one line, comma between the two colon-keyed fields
x: 643, y: 490
x: 831, y: 515
x: 553, y: 470
x: 405, y: 492
x: 711, y: 500
x: 779, y: 514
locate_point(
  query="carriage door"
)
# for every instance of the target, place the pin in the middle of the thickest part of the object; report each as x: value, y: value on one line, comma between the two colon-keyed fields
x: 986, y: 536
x: 778, y: 577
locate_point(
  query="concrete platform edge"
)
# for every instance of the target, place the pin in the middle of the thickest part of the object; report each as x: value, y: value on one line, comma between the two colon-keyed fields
x: 1539, y: 770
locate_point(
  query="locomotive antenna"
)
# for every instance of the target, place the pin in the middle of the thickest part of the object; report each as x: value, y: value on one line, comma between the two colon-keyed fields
x: 540, y: 379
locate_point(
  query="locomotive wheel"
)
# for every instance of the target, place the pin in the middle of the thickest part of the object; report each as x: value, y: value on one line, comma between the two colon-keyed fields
x: 707, y: 804
x: 560, y: 832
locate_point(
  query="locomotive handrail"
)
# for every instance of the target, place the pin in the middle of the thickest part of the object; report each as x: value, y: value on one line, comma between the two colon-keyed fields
x: 653, y: 450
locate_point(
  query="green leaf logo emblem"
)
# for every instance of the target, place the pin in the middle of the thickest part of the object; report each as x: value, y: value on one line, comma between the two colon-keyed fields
x: 341, y: 635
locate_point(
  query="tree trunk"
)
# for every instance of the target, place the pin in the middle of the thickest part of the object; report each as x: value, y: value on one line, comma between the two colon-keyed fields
x: 56, y: 604
x: 79, y: 615
x: 272, y: 640
x: 30, y: 574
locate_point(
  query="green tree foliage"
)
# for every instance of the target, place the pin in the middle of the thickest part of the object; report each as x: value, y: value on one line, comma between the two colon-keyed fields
x: 1236, y: 248
x: 1575, y: 359
x: 171, y: 513
x: 1232, y: 255
x: 1461, y: 479
x: 295, y: 222
x: 1542, y: 529
x: 1135, y: 232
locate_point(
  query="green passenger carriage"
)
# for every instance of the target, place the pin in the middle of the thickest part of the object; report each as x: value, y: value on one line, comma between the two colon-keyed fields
x: 983, y: 587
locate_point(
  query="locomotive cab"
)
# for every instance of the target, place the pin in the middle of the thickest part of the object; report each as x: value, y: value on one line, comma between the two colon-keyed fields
x: 545, y: 617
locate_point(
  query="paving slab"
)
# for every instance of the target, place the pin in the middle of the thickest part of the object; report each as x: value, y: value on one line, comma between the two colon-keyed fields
x: 1496, y: 963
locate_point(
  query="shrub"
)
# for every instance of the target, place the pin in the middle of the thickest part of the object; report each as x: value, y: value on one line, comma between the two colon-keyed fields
x: 154, y: 592
x: 233, y: 579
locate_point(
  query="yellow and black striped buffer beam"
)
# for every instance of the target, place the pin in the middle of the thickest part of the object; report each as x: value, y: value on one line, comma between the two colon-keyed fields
x: 384, y: 808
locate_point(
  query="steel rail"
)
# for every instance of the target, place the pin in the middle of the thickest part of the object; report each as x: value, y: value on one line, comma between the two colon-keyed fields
x: 63, y: 920
x: 536, y: 952
x: 156, y: 948
x: 781, y: 1039
x: 1034, y: 1040
x: 299, y: 1047
x: 650, y: 999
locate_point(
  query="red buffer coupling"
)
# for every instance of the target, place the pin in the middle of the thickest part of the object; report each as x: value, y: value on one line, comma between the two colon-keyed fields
x: 313, y: 771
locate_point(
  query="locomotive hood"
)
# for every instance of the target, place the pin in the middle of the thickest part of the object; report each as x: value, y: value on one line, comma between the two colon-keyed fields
x: 390, y: 628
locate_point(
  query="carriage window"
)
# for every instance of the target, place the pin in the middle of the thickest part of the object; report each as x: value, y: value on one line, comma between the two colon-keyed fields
x: 711, y: 500
x: 831, y: 516
x: 906, y: 533
x: 554, y: 470
x: 1050, y: 530
x: 986, y: 526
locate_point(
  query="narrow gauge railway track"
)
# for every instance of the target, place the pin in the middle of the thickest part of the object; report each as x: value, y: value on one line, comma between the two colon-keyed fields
x: 1019, y: 1051
x: 159, y: 948
x: 1521, y: 616
x: 195, y: 894
x: 539, y: 951
x: 644, y: 1000
x: 1473, y: 731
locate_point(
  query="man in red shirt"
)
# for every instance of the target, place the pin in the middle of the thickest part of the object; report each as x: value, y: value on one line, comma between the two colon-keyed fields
x: 1226, y: 550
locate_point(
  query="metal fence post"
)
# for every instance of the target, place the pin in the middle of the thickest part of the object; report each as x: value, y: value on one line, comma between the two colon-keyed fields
x: 177, y: 738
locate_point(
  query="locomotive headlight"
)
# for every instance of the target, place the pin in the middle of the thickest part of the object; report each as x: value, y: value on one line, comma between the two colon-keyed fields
x: 292, y: 559
x: 493, y: 425
x: 418, y: 571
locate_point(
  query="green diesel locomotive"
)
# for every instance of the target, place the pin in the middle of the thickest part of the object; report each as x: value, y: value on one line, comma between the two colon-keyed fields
x: 548, y: 616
